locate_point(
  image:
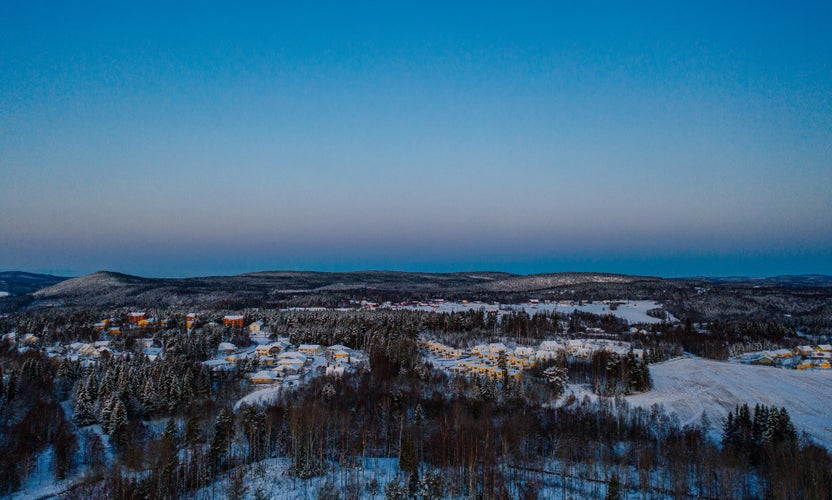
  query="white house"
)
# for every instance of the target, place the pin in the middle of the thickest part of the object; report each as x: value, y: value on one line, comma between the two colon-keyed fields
x: 496, y: 347
x: 525, y: 352
x: 310, y: 349
x: 550, y: 345
x: 226, y: 347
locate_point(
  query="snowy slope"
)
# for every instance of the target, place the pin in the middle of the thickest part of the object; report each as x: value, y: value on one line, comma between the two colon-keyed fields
x: 689, y: 386
x: 633, y: 311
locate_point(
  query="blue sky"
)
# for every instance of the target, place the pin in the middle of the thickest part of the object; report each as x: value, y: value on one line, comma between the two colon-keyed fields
x: 209, y: 138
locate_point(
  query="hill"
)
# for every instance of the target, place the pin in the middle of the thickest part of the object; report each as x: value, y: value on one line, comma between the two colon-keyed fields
x: 697, y: 298
x: 20, y: 283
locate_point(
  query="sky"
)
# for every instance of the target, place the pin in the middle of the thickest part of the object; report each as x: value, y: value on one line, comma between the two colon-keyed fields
x: 209, y: 138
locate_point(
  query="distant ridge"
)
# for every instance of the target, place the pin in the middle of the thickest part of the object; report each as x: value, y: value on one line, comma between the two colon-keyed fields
x: 700, y: 298
x: 21, y: 282
x: 809, y: 280
x: 113, y: 288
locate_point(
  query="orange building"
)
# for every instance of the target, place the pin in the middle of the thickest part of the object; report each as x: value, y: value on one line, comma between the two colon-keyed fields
x: 136, y: 317
x: 235, y: 321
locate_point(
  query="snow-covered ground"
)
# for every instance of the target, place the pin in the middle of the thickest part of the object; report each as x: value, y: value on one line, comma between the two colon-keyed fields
x: 633, y: 311
x: 690, y: 386
x: 4, y: 294
x: 269, y: 477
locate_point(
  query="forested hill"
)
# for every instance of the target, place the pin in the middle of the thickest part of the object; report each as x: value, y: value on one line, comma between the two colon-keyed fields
x: 697, y: 298
x: 20, y: 283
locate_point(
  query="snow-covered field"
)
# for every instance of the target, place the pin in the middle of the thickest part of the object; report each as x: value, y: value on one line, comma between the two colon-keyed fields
x: 634, y: 311
x: 690, y: 386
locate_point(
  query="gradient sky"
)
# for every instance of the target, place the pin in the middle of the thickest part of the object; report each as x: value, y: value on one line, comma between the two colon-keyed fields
x: 210, y: 138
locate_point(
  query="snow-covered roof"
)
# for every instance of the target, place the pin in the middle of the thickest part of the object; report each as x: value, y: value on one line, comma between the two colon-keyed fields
x: 226, y: 346
x: 292, y: 355
x: 263, y: 374
x: 549, y: 345
x: 338, y: 347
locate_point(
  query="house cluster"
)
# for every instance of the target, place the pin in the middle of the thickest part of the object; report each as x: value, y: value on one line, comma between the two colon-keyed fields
x: 83, y: 350
x: 278, y: 361
x: 135, y: 320
x: 495, y: 358
x: 26, y: 339
x: 804, y: 357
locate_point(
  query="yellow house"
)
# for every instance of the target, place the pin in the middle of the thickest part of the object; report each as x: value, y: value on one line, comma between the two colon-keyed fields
x: 263, y: 377
x: 310, y: 349
x: 341, y: 355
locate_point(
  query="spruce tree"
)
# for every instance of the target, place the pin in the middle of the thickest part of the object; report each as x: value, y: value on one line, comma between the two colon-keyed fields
x: 223, y: 432
x: 107, y: 415
x: 118, y: 422
x: 83, y: 414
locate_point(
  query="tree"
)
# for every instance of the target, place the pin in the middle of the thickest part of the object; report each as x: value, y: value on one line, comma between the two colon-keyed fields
x: 83, y: 414
x: 328, y: 392
x: 223, y: 433
x: 118, y: 422
x: 64, y: 448
x: 407, y: 456
x: 557, y: 379
x: 613, y: 488
x: 253, y: 422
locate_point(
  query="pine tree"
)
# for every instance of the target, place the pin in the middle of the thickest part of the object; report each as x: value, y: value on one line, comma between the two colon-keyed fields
x: 729, y: 432
x: 328, y: 392
x: 223, y: 433
x: 186, y: 391
x: 557, y: 378
x: 203, y: 384
x: 486, y: 388
x: 786, y: 427
x: 745, y: 425
x: 771, y: 433
x: 759, y: 425
x: 118, y: 420
x: 193, y: 431
x: 408, y: 461
x: 419, y: 415
x: 83, y: 414
x: 253, y: 422
x: 107, y: 415
x: 148, y: 398
x: 169, y: 435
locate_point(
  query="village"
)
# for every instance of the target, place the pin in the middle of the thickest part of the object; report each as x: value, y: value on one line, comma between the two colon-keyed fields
x: 803, y: 357
x: 264, y: 360
x: 498, y: 360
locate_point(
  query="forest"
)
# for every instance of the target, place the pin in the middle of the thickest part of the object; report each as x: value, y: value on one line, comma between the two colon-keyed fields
x: 128, y: 426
